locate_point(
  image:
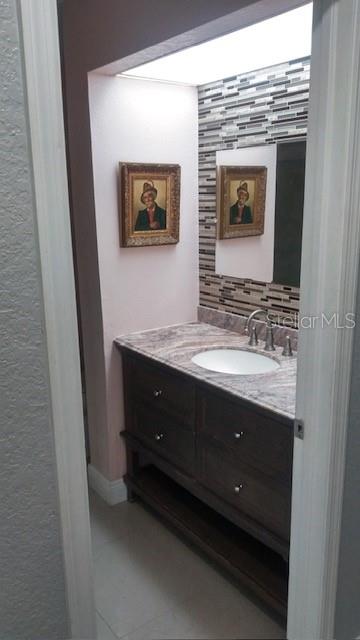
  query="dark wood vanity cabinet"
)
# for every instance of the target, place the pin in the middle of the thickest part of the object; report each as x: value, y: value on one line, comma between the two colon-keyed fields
x: 219, y: 468
x: 246, y: 458
x: 160, y: 412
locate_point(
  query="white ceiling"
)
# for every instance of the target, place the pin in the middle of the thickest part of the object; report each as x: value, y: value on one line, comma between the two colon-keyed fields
x: 279, y: 39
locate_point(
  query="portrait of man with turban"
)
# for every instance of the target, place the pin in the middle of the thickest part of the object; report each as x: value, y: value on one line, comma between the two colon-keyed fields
x: 152, y: 217
x: 241, y: 196
x: 240, y: 212
x: 149, y: 204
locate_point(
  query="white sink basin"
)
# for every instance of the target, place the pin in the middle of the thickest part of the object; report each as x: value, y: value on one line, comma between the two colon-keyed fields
x: 235, y: 361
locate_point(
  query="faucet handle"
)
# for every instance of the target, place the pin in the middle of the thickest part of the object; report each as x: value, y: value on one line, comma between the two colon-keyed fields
x: 253, y: 337
x: 287, y: 351
x: 269, y: 338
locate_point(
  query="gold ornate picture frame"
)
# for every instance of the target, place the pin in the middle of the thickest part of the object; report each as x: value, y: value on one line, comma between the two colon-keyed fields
x: 149, y: 204
x: 241, y: 193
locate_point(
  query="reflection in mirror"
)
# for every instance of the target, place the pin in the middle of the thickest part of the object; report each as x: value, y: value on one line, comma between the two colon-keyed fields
x: 289, y: 204
x: 274, y: 256
x: 241, y: 202
x: 250, y: 256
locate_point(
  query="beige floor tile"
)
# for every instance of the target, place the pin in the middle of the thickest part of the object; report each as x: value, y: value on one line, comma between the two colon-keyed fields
x: 150, y: 584
x: 209, y: 620
x: 103, y: 631
x: 108, y: 523
x: 135, y: 583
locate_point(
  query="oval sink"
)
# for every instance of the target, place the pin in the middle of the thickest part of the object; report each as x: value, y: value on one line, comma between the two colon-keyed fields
x: 235, y: 361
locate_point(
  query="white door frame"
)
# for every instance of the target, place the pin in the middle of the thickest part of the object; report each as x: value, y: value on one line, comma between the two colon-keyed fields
x: 328, y: 282
x: 43, y: 79
x: 329, y: 274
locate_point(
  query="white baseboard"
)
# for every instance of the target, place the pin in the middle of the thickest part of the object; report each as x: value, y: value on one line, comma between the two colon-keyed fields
x: 112, y: 492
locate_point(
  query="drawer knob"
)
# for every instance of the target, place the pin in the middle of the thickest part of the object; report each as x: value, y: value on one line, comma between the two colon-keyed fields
x: 238, y: 488
x: 159, y: 436
x: 238, y: 434
x: 157, y: 393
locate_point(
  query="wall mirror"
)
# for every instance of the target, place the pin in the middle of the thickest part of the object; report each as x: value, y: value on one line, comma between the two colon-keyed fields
x: 275, y: 255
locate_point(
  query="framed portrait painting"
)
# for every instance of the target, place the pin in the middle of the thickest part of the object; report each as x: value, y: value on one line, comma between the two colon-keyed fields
x: 149, y: 204
x: 241, y: 193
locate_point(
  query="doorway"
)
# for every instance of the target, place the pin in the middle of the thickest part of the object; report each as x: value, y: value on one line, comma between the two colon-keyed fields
x: 160, y: 134
x: 310, y: 489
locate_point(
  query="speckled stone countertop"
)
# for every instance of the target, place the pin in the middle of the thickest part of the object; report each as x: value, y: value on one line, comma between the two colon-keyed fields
x: 177, y: 344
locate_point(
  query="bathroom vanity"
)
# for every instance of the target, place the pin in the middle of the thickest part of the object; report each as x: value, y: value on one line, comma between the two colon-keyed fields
x: 212, y: 452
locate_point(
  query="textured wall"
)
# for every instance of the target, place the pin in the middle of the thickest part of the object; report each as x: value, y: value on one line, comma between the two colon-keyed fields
x: 32, y: 592
x: 255, y: 108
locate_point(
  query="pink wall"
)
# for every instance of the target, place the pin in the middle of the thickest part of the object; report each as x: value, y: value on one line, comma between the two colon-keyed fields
x: 94, y: 33
x: 146, y: 287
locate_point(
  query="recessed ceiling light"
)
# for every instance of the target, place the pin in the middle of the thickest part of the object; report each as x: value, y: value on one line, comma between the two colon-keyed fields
x: 279, y: 39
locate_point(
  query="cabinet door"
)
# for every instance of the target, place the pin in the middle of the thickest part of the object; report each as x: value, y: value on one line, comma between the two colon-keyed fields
x: 167, y: 392
x: 165, y: 437
x: 254, y: 438
x: 245, y: 489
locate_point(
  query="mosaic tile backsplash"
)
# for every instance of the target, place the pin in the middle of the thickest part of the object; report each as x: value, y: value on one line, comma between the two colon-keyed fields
x: 256, y: 108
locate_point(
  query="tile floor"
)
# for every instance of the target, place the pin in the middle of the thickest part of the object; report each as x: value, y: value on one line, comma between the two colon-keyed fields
x: 151, y: 585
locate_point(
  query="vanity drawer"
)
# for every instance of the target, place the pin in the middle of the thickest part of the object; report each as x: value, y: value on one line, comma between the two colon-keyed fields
x: 253, y: 494
x: 167, y: 438
x: 166, y: 391
x: 259, y: 441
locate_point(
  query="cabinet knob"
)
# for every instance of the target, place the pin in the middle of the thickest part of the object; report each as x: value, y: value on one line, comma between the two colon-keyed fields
x: 238, y: 434
x: 159, y: 436
x: 157, y: 393
x: 238, y: 488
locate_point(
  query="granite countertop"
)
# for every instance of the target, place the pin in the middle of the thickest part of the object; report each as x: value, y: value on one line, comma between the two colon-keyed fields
x: 177, y: 344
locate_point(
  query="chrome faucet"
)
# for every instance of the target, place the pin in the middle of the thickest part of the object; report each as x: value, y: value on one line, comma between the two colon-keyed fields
x: 253, y: 315
x: 269, y: 337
